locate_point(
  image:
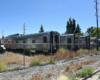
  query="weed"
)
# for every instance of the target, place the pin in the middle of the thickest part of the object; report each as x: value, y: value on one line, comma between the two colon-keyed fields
x: 72, y: 67
x: 61, y: 50
x: 37, y: 77
x: 50, y: 60
x: 49, y: 75
x: 95, y: 51
x: 71, y: 77
x: 86, y: 71
x: 35, y: 61
x: 99, y: 49
x: 99, y: 76
x: 88, y: 62
x: 3, y: 66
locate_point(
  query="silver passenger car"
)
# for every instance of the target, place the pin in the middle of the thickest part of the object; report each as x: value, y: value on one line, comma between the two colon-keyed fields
x: 84, y: 42
x: 70, y: 41
x: 99, y: 42
x: 39, y: 41
x: 94, y: 43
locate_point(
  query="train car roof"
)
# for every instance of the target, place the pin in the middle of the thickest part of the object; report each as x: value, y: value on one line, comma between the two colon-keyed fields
x: 68, y: 34
x: 82, y: 36
x: 35, y: 34
x: 91, y: 38
x: 4, y: 39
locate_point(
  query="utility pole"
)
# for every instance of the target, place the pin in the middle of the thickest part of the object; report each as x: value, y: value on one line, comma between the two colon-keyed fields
x: 24, y: 46
x: 96, y: 15
x: 24, y: 29
x: 2, y: 35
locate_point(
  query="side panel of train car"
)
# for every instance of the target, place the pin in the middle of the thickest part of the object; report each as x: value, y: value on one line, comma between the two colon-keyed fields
x: 70, y: 41
x: 40, y: 41
x: 84, y: 42
x: 99, y: 42
x: 94, y: 43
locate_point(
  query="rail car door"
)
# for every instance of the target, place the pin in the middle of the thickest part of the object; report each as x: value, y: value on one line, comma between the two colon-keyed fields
x: 56, y: 41
x: 69, y: 43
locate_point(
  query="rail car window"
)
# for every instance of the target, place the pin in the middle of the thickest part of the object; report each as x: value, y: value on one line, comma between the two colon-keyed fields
x: 8, y: 42
x: 44, y: 39
x: 12, y: 41
x: 33, y: 41
x: 16, y: 41
x: 24, y: 41
x: 69, y: 40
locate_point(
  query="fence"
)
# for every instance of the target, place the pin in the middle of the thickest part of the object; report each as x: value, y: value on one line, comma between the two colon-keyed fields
x: 72, y: 54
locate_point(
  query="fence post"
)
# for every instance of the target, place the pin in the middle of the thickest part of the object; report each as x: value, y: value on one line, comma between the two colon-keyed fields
x: 51, y: 50
x: 24, y: 55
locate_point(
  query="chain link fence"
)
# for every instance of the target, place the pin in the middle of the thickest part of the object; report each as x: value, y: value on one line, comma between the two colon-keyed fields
x: 35, y: 54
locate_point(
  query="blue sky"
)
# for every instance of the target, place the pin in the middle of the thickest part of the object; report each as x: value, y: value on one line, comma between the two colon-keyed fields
x: 52, y: 14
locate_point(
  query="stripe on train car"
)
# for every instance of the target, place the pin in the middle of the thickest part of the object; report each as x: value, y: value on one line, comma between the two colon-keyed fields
x: 92, y: 40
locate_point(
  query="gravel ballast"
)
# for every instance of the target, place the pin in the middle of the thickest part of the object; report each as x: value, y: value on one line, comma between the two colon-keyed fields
x: 55, y: 69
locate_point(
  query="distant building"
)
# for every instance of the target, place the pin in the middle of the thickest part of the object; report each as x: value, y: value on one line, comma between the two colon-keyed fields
x: 15, y: 35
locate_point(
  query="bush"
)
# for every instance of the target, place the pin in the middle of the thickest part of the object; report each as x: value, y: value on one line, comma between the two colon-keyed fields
x: 99, y: 76
x: 3, y: 66
x: 86, y: 71
x: 81, y: 50
x: 99, y: 49
x: 61, y: 50
x: 35, y: 61
x: 71, y: 77
x: 95, y: 51
x: 50, y: 60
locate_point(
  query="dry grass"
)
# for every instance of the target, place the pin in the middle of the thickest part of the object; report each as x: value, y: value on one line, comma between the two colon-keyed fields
x: 37, y: 77
x: 62, y: 77
x: 72, y: 67
x: 15, y: 58
x: 49, y: 75
x: 59, y: 55
x: 5, y: 77
x: 88, y: 62
x: 42, y: 57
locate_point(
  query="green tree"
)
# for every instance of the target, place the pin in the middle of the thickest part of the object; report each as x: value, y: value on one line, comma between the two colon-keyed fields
x: 90, y: 30
x: 78, y: 29
x: 80, y: 34
x: 71, y: 24
x: 94, y: 33
x: 41, y: 29
x: 3, y: 37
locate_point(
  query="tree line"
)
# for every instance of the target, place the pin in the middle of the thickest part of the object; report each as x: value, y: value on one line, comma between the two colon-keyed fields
x: 73, y: 28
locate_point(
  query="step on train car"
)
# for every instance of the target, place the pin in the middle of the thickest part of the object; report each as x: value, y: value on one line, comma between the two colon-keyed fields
x: 39, y: 41
x: 70, y: 41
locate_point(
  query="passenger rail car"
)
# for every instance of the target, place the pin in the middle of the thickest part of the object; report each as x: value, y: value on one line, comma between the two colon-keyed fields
x: 39, y: 41
x: 94, y: 43
x: 84, y: 42
x: 99, y: 42
x: 70, y: 41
